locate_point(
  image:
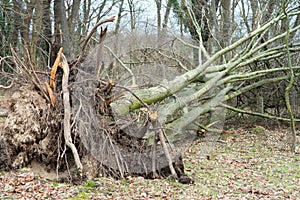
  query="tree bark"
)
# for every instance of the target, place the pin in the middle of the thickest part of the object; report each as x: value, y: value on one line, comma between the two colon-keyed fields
x: 62, y: 27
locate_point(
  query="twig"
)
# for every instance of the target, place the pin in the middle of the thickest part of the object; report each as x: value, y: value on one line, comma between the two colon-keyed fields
x: 155, y: 175
x: 161, y: 136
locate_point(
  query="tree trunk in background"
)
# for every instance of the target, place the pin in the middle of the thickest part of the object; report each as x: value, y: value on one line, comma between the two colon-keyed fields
x: 36, y: 31
x: 158, y: 13
x: 9, y: 29
x: 57, y: 32
x: 225, y: 14
x: 201, y: 13
x: 225, y: 25
x: 23, y: 18
x: 117, y: 29
x: 255, y: 14
x: 47, y: 32
x: 166, y: 19
x: 62, y: 27
x: 167, y: 14
x: 73, y: 19
x: 86, y: 12
x: 256, y: 20
x: 73, y: 22
x: 101, y: 10
x: 132, y: 14
x: 267, y: 10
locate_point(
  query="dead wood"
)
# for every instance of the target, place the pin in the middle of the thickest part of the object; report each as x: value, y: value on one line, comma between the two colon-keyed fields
x: 67, y: 113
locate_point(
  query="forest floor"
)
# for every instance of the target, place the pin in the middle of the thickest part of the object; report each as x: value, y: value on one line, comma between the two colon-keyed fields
x: 250, y: 162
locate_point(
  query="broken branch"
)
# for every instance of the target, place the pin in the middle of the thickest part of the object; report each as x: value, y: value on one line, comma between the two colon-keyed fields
x: 67, y: 113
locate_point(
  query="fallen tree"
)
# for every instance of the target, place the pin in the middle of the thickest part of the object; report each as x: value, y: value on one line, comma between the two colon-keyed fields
x: 136, y: 129
x: 231, y: 79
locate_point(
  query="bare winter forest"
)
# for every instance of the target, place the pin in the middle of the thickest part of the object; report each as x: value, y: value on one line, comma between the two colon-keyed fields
x: 159, y: 99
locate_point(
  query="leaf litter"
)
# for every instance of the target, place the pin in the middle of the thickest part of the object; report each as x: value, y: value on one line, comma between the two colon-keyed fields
x: 249, y: 163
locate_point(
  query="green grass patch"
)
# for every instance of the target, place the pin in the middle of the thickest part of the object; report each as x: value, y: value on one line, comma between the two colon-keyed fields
x: 55, y: 184
x: 81, y: 195
x: 125, y: 182
x: 258, y: 130
x: 90, y: 184
x: 177, y: 184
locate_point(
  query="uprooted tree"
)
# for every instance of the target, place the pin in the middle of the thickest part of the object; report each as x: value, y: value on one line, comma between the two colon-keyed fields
x: 113, y: 122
